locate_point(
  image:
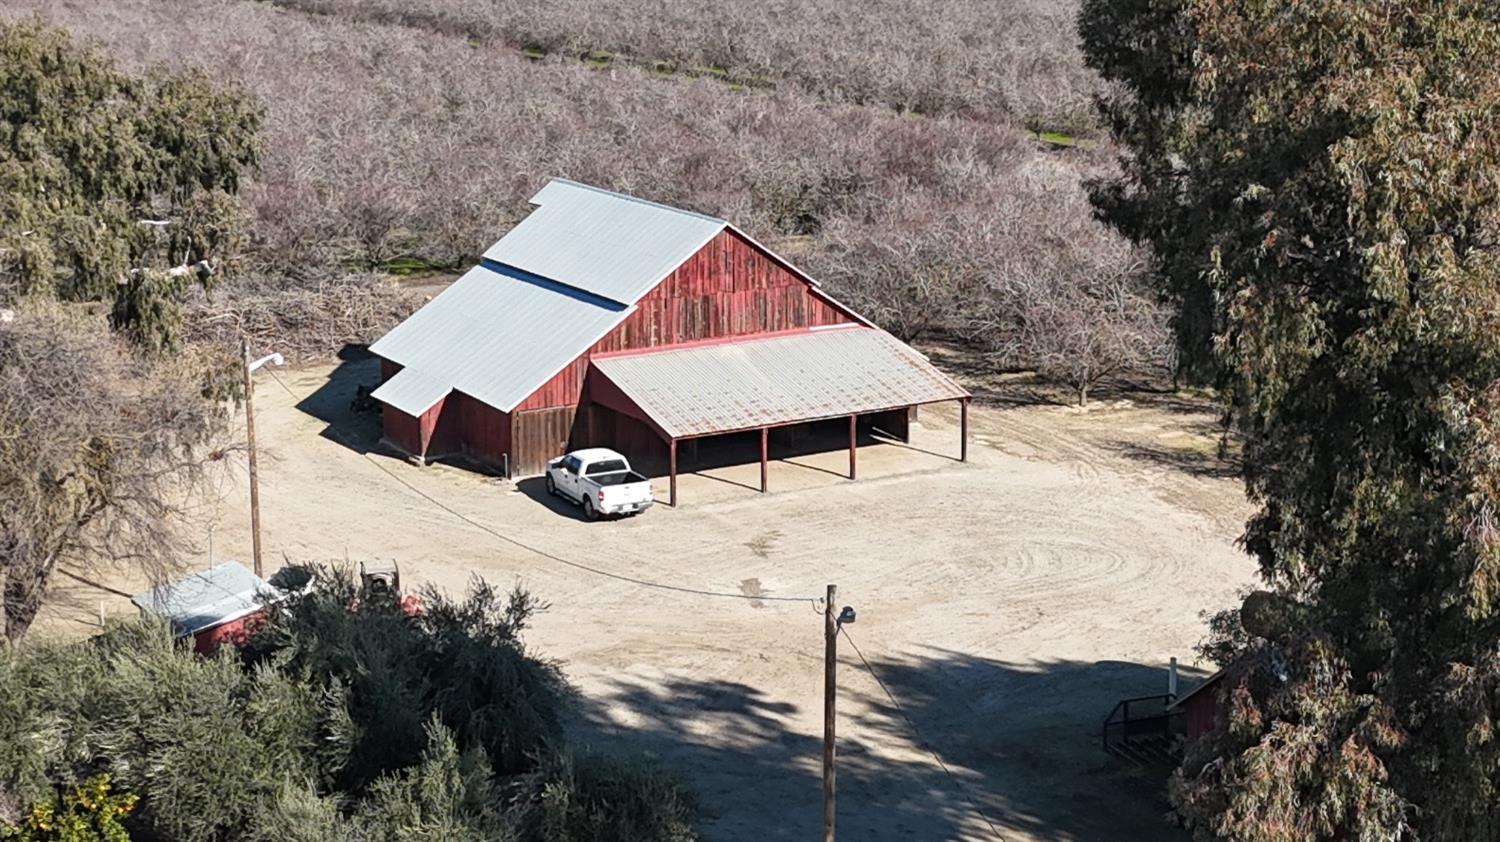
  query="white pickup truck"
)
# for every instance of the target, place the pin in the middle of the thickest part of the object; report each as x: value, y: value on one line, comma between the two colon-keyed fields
x: 599, y: 480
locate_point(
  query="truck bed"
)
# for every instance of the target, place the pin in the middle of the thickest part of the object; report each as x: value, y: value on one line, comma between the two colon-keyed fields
x: 616, y: 478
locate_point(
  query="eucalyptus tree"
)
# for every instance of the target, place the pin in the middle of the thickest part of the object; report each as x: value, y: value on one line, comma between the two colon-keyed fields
x: 116, y: 187
x: 1319, y: 182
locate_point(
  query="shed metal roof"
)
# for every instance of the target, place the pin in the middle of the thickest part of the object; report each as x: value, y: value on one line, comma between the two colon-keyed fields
x: 207, y: 598
x: 605, y: 243
x: 496, y: 335
x: 412, y: 391
x: 760, y: 382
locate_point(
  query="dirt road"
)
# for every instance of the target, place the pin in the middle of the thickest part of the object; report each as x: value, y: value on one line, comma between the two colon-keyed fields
x: 1007, y: 603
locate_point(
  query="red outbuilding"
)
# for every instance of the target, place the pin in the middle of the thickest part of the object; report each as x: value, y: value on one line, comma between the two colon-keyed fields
x: 1201, y: 706
x: 606, y: 320
x: 223, y: 604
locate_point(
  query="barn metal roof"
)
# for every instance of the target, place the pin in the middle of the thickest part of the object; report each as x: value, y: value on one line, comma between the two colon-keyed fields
x: 719, y: 388
x: 496, y: 334
x: 609, y: 244
x: 412, y: 391
x: 206, y: 599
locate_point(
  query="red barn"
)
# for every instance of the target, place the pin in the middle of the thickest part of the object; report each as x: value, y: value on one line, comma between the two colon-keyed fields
x: 606, y: 320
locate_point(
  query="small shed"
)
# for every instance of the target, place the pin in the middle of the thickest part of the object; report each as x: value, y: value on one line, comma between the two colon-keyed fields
x: 1200, y: 706
x: 215, y: 606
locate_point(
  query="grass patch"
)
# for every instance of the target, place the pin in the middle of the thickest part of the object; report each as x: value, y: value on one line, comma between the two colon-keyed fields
x: 410, y: 265
x: 534, y: 53
x: 1057, y: 138
x: 598, y: 58
x: 709, y: 70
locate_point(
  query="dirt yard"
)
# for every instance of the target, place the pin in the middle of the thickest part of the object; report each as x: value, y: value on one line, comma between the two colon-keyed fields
x: 1007, y: 603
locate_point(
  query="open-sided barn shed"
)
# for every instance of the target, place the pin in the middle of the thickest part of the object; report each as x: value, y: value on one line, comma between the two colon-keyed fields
x: 602, y: 319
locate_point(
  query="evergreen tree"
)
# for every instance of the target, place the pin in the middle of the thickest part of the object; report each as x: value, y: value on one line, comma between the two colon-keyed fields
x: 115, y: 187
x: 1320, y: 183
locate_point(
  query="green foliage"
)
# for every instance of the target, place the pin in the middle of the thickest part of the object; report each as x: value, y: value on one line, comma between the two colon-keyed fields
x: 1318, y: 182
x: 448, y: 795
x: 87, y: 814
x: 344, y: 720
x: 460, y: 661
x: 116, y: 187
x: 594, y: 798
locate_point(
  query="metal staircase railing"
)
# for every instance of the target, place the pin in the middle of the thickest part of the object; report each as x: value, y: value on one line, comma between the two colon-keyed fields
x: 1141, y: 728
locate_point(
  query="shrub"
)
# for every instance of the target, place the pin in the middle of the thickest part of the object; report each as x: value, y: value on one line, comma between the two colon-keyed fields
x: 90, y: 813
x: 596, y: 798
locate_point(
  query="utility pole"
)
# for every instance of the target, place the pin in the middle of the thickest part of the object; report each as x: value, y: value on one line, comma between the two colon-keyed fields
x: 250, y: 441
x: 250, y: 367
x: 830, y: 693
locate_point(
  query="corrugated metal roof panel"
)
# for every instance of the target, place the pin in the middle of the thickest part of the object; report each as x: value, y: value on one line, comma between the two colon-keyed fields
x: 609, y: 244
x: 777, y: 380
x: 498, y: 337
x: 412, y: 391
x: 205, y: 599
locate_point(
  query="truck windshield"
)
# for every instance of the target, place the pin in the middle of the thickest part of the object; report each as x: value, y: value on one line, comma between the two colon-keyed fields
x: 608, y: 466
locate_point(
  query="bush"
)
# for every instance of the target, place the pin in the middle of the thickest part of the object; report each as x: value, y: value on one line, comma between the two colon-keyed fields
x: 343, y: 719
x: 595, y: 798
x: 90, y: 813
x: 461, y: 662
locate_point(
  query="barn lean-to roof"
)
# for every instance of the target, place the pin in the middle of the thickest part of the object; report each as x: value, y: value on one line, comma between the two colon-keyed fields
x: 766, y: 381
x: 558, y: 282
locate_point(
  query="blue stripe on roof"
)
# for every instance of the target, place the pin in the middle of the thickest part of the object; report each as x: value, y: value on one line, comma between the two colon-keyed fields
x: 555, y: 286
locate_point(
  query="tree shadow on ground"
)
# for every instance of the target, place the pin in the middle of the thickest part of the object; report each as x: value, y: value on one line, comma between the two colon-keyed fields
x: 1196, y: 463
x: 1020, y: 743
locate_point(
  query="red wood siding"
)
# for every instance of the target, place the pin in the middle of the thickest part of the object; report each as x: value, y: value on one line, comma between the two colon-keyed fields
x: 234, y: 632
x: 1202, y: 712
x: 441, y: 432
x: 485, y: 430
x: 401, y: 429
x: 729, y: 288
x: 537, y: 436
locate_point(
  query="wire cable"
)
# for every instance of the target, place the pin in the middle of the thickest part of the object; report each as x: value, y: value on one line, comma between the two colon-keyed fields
x: 646, y: 583
x: 75, y: 577
x: 917, y: 735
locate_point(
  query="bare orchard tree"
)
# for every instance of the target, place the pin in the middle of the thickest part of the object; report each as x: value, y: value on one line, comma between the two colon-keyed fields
x: 97, y: 451
x: 1080, y: 330
x: 910, y: 274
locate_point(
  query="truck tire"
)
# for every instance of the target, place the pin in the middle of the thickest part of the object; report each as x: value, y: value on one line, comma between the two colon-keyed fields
x: 551, y: 486
x: 589, y: 512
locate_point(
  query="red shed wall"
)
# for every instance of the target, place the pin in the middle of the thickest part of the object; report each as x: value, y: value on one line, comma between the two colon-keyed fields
x: 485, y: 429
x: 729, y: 288
x: 234, y: 632
x: 1202, y: 712
x: 401, y: 429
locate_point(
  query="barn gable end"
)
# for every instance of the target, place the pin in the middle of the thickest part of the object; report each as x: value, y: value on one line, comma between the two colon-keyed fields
x: 731, y: 287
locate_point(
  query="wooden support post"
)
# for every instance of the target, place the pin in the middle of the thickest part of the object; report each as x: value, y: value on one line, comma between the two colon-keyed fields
x: 963, y: 430
x: 672, y: 473
x: 830, y: 694
x: 853, y: 436
x: 250, y: 443
x: 765, y: 433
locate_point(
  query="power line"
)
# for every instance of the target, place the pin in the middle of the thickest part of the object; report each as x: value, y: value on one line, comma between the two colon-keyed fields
x: 75, y: 577
x: 917, y: 735
x: 543, y: 553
